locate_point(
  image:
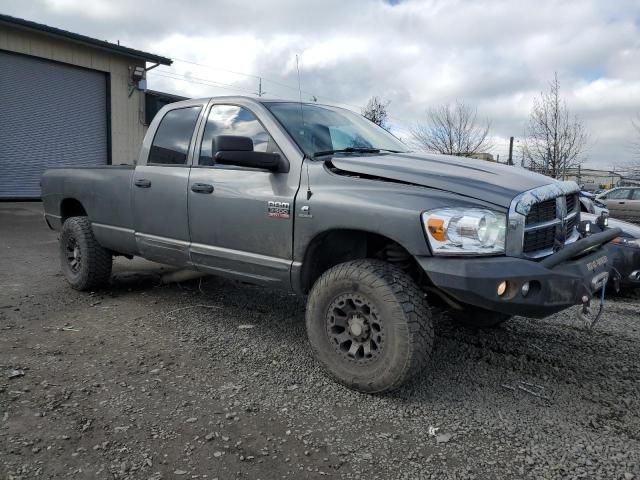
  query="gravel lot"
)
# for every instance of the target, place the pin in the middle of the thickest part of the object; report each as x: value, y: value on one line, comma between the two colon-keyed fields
x: 214, y: 379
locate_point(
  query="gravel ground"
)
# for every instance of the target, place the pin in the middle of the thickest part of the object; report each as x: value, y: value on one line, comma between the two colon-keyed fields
x: 214, y: 379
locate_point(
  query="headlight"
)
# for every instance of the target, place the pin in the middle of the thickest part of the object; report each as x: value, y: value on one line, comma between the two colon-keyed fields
x: 465, y: 231
x: 627, y: 242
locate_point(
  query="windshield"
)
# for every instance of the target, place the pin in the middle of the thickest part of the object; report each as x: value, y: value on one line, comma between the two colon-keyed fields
x: 321, y: 130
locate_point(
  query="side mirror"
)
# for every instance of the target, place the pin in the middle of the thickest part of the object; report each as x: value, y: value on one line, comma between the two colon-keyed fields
x: 237, y: 150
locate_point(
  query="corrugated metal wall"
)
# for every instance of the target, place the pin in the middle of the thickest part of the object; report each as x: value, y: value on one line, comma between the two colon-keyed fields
x: 51, y: 114
x: 127, y: 122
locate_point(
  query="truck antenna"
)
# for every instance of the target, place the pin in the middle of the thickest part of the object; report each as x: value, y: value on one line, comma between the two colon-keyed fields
x: 309, y: 192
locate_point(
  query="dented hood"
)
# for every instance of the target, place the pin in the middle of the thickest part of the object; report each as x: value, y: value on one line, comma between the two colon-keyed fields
x: 488, y: 181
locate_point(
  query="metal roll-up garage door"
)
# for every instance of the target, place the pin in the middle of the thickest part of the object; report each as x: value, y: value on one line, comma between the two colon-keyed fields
x: 51, y: 114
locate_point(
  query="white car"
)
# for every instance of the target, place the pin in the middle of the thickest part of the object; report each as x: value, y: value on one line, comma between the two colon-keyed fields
x: 590, y: 204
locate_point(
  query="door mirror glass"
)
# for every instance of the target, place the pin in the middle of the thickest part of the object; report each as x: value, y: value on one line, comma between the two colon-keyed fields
x: 237, y: 150
x: 231, y: 143
x: 267, y: 161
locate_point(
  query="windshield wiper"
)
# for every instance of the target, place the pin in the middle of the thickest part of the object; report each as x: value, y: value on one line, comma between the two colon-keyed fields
x: 354, y: 150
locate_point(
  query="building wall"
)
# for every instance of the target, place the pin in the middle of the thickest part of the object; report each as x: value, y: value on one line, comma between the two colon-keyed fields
x: 127, y: 113
x: 594, y: 177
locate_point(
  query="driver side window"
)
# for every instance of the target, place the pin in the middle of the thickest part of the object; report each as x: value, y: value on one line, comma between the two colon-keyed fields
x: 233, y: 120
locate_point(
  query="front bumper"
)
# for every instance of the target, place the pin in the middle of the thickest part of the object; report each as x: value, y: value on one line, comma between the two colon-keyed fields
x: 625, y: 262
x: 559, y: 281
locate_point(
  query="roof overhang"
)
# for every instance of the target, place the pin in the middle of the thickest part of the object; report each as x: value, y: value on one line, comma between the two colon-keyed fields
x: 84, y: 40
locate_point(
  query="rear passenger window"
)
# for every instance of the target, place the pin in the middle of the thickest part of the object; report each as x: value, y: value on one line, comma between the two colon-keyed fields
x: 636, y: 194
x: 233, y: 120
x: 171, y: 142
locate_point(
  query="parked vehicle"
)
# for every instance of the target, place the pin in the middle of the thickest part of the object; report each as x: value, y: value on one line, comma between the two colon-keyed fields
x: 318, y: 200
x: 590, y: 204
x: 624, y: 252
x: 623, y: 203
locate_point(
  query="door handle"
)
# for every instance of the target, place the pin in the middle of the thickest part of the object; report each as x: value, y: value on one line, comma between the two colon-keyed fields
x: 620, y: 203
x: 202, y: 188
x: 142, y: 183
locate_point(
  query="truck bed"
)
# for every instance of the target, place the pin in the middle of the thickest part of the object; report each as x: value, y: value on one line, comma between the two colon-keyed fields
x: 105, y: 194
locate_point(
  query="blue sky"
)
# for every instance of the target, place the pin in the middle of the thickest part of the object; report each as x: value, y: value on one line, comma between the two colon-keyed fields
x: 496, y: 55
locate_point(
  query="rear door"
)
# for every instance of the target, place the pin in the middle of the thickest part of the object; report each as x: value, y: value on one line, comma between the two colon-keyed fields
x: 241, y: 219
x: 616, y: 201
x: 160, y: 188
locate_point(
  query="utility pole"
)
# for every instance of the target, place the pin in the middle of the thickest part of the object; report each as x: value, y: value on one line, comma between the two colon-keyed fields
x: 510, y: 161
x: 579, y: 175
x: 260, y: 92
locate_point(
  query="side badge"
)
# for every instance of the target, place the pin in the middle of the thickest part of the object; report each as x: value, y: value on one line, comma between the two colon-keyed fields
x: 278, y: 209
x: 305, y: 212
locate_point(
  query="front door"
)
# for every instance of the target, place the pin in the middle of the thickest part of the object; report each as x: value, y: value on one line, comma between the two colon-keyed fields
x: 616, y: 201
x: 241, y: 219
x: 160, y: 190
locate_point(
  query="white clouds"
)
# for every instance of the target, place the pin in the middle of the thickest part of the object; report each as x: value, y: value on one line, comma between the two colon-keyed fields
x: 495, y: 54
x: 97, y: 9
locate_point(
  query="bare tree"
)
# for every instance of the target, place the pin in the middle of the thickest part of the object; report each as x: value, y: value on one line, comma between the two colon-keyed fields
x: 452, y: 129
x: 376, y: 111
x: 555, y: 140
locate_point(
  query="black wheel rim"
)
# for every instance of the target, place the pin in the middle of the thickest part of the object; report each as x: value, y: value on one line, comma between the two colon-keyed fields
x: 355, y: 328
x: 73, y: 254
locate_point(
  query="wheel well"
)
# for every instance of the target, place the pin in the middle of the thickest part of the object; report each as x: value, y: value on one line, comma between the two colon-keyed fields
x: 70, y: 207
x: 337, y: 246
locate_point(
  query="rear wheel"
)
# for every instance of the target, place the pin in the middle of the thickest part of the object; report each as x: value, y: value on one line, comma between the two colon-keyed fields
x: 476, y: 317
x: 369, y: 325
x: 85, y: 263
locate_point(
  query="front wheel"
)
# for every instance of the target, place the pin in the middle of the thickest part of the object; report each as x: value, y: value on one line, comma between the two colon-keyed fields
x: 369, y: 325
x: 85, y: 263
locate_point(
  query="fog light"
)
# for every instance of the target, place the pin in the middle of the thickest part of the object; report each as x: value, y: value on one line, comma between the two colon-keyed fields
x: 585, y: 228
x: 525, y: 289
x: 502, y: 287
x: 603, y: 220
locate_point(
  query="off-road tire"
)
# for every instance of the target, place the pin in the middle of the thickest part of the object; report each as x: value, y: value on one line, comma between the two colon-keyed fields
x: 401, y: 312
x: 94, y: 267
x: 475, y: 317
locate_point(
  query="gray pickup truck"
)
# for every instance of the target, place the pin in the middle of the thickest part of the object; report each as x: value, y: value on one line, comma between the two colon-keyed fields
x: 319, y: 201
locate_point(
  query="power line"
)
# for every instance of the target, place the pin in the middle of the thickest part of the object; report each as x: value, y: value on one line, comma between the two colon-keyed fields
x: 276, y: 82
x: 292, y: 87
x: 207, y: 83
x: 182, y: 75
x: 260, y: 78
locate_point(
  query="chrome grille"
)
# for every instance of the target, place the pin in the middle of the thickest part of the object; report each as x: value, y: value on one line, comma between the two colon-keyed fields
x: 539, y: 239
x: 549, y: 225
x: 542, y: 219
x: 572, y: 202
x: 542, y: 212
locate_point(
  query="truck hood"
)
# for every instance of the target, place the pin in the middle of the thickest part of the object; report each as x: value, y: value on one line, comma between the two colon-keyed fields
x: 480, y: 179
